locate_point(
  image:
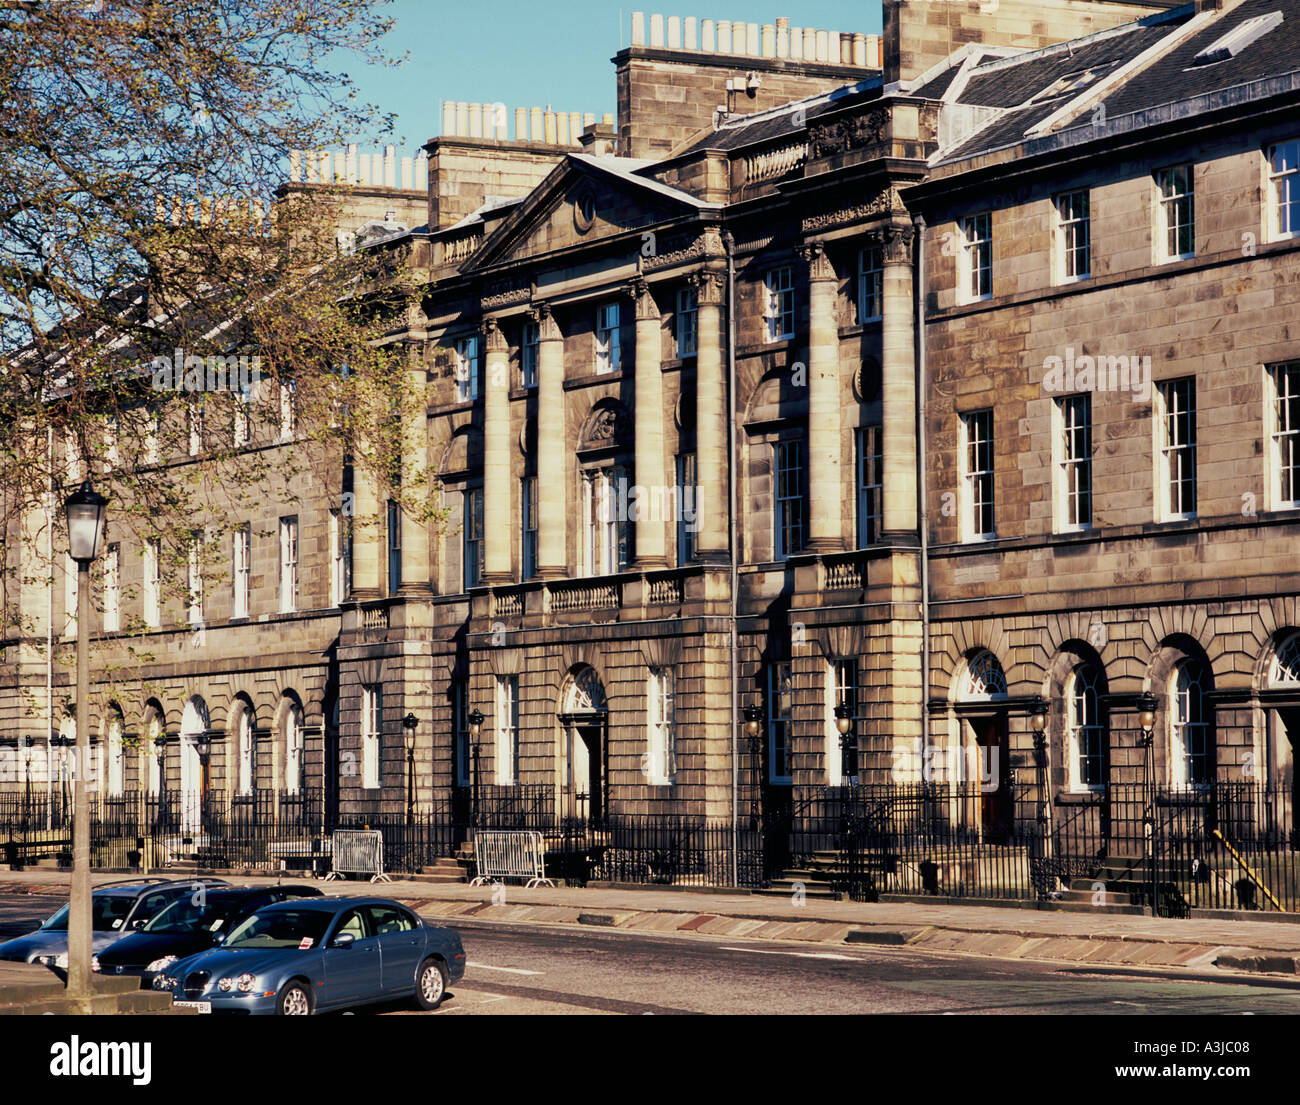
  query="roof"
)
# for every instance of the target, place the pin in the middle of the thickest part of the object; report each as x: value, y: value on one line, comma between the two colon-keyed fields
x: 739, y: 131
x: 1026, y: 89
x: 629, y: 170
x: 1176, y: 78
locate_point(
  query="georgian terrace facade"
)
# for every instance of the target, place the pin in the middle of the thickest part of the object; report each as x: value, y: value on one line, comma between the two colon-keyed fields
x: 577, y: 342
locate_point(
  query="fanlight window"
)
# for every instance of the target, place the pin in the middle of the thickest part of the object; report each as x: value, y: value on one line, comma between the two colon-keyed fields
x: 1285, y: 671
x: 984, y: 677
x: 584, y: 693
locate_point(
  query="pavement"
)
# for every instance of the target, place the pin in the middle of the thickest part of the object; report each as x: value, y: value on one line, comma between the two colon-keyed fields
x: 1219, y: 945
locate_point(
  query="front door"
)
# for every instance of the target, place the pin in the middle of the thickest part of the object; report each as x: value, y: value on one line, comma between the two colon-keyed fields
x: 589, y: 771
x: 992, y: 775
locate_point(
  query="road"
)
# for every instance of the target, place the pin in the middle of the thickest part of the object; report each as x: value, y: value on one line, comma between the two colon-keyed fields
x: 530, y: 969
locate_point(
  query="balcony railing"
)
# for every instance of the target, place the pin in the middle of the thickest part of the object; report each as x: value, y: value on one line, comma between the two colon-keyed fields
x: 584, y: 595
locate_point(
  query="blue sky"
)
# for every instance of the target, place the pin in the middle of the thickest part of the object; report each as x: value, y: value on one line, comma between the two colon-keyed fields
x: 534, y: 54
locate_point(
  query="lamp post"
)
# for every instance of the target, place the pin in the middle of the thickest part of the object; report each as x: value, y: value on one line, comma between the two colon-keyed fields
x: 848, y: 740
x: 475, y: 720
x: 1146, y: 705
x: 86, y: 511
x: 754, y: 726
x: 409, y: 724
x: 1038, y: 722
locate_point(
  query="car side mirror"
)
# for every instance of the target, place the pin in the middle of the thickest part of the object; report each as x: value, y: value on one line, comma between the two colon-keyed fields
x: 343, y: 940
x: 218, y: 938
x: 139, y: 923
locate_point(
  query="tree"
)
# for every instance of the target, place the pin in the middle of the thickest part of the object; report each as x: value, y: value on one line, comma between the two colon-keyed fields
x: 162, y: 311
x: 164, y: 315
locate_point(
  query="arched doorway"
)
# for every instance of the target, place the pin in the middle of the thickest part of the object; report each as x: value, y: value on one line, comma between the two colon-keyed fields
x: 583, y: 722
x: 983, y: 766
x: 194, y: 764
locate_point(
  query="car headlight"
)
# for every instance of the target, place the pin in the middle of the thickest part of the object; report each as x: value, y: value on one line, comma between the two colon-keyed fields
x: 226, y: 985
x: 94, y: 963
x: 246, y: 982
x: 60, y: 960
x: 164, y: 982
x: 161, y: 964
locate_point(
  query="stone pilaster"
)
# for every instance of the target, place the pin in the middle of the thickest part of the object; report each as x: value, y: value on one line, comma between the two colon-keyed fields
x: 552, y: 499
x: 498, y: 521
x: 366, y: 533
x: 651, y: 544
x: 898, y: 387
x: 826, y: 531
x: 415, y: 477
x: 710, y: 422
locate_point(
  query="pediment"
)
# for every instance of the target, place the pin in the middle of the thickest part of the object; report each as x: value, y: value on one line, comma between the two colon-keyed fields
x: 582, y: 202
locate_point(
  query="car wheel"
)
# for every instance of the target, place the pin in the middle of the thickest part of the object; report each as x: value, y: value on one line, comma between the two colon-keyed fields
x: 294, y: 1000
x: 431, y: 984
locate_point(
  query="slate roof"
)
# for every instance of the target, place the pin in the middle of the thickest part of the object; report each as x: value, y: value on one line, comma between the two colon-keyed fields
x: 1175, y: 78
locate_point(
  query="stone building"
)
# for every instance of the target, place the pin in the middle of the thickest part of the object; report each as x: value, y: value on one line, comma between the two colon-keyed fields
x: 922, y: 375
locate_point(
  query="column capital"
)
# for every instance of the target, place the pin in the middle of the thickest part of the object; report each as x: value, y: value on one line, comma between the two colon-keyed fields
x: 708, y: 286
x: 494, y: 341
x: 819, y: 264
x: 895, y: 243
x: 547, y: 328
x: 639, y: 290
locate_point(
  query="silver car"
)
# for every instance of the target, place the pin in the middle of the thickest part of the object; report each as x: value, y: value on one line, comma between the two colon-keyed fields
x: 116, y: 909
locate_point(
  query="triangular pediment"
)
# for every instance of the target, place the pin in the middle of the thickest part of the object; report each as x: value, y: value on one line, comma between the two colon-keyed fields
x: 582, y: 201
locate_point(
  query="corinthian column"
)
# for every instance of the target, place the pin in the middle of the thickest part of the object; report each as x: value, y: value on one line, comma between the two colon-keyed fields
x: 825, y: 529
x: 365, y: 534
x: 552, y: 505
x: 650, y: 540
x: 898, y: 386
x: 498, y: 523
x: 710, y: 422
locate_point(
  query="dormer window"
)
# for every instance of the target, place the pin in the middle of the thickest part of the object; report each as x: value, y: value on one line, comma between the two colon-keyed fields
x: 1231, y: 44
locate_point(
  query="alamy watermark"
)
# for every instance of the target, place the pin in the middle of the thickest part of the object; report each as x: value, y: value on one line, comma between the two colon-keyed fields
x: 241, y: 374
x: 1104, y: 372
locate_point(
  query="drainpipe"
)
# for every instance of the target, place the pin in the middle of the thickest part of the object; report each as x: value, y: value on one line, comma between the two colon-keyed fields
x: 922, y: 498
x: 733, y: 553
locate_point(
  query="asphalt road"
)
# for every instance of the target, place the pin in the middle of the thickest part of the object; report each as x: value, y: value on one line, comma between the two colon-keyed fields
x: 529, y: 969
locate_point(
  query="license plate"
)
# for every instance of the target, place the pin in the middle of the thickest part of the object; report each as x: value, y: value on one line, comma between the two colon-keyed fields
x: 201, y: 1006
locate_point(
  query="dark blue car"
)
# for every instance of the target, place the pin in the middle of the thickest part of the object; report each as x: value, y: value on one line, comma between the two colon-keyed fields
x: 302, y: 957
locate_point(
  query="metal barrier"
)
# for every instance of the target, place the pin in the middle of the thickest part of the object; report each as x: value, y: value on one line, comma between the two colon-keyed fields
x: 358, y: 852
x: 509, y: 855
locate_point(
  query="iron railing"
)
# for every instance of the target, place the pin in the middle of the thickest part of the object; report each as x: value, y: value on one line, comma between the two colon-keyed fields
x: 1217, y: 846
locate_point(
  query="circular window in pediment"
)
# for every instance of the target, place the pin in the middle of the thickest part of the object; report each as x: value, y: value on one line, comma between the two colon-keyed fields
x: 584, y: 208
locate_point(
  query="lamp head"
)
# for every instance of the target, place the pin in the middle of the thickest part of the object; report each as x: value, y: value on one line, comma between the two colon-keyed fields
x: 86, y: 514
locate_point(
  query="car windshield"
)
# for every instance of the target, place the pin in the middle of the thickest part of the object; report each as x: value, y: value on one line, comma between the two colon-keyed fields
x: 184, y: 916
x: 281, y: 928
x: 107, y: 912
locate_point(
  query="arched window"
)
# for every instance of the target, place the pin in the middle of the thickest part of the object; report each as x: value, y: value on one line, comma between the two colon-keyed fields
x: 293, y: 749
x: 246, y: 770
x: 984, y: 677
x: 113, y: 739
x: 151, y: 753
x: 1191, y: 761
x: 1085, y: 733
x: 1285, y: 669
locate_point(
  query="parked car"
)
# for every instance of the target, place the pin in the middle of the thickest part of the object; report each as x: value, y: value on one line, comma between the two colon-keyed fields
x: 115, y: 910
x: 188, y: 926
x: 304, y: 957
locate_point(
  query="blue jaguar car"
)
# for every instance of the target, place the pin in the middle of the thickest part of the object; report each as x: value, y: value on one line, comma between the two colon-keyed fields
x: 317, y: 955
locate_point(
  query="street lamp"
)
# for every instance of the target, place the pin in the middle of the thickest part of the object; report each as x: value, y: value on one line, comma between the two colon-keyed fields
x: 754, y: 726
x: 86, y: 512
x: 1146, y: 707
x: 409, y: 724
x: 475, y: 720
x: 1038, y: 722
x: 848, y: 740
